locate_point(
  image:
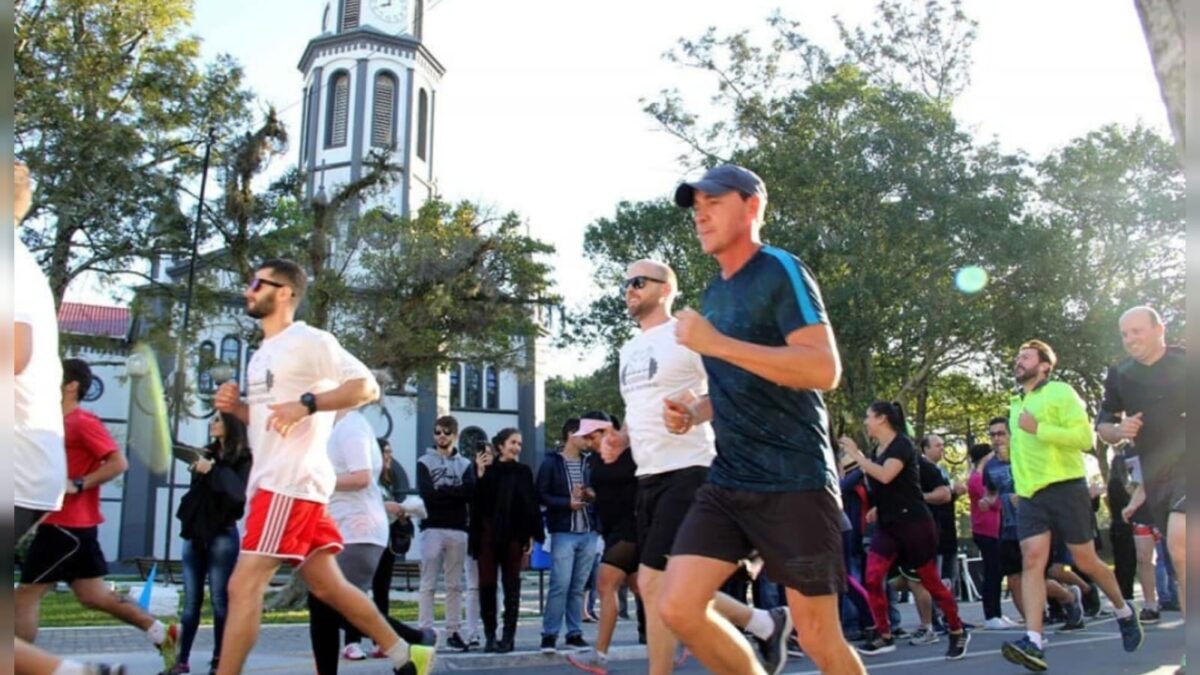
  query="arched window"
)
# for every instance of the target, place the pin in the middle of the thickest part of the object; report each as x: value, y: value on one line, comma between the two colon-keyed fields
x: 246, y: 380
x: 338, y: 117
x: 422, y: 122
x: 231, y: 355
x: 350, y: 18
x: 456, y: 385
x: 325, y: 19
x: 492, y: 387
x: 204, y: 380
x: 474, y: 388
x: 383, y: 114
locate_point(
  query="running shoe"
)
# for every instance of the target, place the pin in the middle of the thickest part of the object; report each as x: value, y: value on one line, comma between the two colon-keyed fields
x: 1074, y: 612
x: 923, y: 636
x: 177, y: 669
x: 1024, y: 653
x: 110, y: 668
x: 1131, y: 632
x: 878, y: 645
x: 958, y: 645
x: 681, y: 655
x: 421, y: 660
x: 1000, y: 623
x: 1149, y: 616
x: 455, y: 641
x: 589, y: 661
x: 577, y: 642
x: 167, y: 647
x: 548, y: 644
x: 773, y: 650
x: 354, y: 652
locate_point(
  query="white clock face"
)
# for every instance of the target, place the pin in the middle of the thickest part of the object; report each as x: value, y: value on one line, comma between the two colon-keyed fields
x: 390, y: 11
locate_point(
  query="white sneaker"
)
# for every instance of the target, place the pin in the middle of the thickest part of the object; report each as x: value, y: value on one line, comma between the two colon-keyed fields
x: 997, y: 623
x: 353, y: 652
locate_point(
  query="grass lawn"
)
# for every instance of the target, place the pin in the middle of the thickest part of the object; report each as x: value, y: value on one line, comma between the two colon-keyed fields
x: 62, y: 610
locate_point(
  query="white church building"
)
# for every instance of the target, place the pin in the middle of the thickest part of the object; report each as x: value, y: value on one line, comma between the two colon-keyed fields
x: 369, y: 84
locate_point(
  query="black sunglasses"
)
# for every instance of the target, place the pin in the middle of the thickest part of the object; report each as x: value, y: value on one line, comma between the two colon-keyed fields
x: 442, y: 432
x: 258, y: 282
x: 639, y: 282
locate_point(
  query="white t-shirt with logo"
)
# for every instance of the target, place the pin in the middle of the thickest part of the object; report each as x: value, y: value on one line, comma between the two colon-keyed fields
x: 359, y: 514
x: 40, y: 460
x: 298, y: 359
x: 653, y: 367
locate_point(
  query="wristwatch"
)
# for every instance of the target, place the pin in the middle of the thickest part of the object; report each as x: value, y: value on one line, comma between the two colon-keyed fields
x: 78, y: 483
x: 310, y: 401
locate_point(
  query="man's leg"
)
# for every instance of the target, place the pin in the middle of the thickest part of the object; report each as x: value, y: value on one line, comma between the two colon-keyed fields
x: 686, y: 607
x: 562, y: 557
x: 95, y: 594
x: 250, y: 577
x: 1144, y: 544
x: 924, y: 602
x: 455, y: 552
x: 471, y: 567
x: 816, y: 620
x: 28, y: 601
x: 1090, y: 564
x: 1014, y: 589
x: 29, y: 660
x: 660, y: 641
x: 581, y: 569
x: 608, y: 580
x: 1035, y: 551
x: 1177, y: 546
x: 431, y: 564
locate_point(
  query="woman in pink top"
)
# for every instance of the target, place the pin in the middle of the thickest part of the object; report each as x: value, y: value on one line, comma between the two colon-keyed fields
x: 985, y: 527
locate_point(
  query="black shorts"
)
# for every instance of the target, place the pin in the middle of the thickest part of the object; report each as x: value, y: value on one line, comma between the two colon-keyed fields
x: 1162, y: 499
x: 797, y: 534
x: 25, y: 519
x: 63, y: 554
x: 910, y: 543
x: 621, y: 554
x: 663, y: 501
x: 1011, y: 561
x: 1063, y: 509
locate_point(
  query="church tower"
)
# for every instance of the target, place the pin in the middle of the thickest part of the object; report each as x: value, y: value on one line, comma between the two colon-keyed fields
x: 370, y: 85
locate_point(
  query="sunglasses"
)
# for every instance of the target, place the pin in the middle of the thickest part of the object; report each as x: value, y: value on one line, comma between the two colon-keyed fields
x: 993, y: 434
x: 639, y: 282
x: 258, y: 282
x: 442, y: 432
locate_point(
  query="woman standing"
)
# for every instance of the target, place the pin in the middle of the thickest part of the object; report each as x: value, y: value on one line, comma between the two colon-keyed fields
x: 906, y: 529
x: 208, y: 516
x: 505, y: 522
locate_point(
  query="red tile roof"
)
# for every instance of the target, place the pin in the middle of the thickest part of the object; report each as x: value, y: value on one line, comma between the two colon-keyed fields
x: 81, y: 319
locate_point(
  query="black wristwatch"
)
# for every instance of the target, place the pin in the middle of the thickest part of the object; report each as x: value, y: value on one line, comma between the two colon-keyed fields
x: 78, y: 483
x: 310, y: 401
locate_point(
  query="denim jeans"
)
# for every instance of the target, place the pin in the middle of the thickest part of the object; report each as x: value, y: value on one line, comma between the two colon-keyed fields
x: 1164, y: 575
x: 214, y: 560
x: 572, y: 555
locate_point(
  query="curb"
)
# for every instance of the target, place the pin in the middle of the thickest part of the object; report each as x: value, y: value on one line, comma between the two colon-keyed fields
x: 449, y: 662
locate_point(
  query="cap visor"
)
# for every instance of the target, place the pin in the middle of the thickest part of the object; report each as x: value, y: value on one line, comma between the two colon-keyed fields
x: 685, y: 194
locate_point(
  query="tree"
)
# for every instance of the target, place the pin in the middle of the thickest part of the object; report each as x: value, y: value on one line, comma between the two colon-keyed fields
x: 566, y: 398
x: 1163, y: 25
x: 111, y: 110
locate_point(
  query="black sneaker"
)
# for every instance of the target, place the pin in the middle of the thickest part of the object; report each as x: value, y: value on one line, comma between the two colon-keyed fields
x: 1074, y: 612
x: 878, y: 645
x: 793, y: 647
x: 1131, y: 632
x: 1024, y: 653
x: 577, y: 642
x: 474, y: 643
x: 107, y: 668
x: 548, y: 644
x: 455, y: 641
x: 958, y: 645
x: 773, y: 650
x: 1149, y: 616
x: 899, y: 633
x: 1168, y: 606
x: 1091, y: 601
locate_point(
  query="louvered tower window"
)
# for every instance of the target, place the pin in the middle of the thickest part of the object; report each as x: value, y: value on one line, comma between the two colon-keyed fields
x: 339, y: 110
x: 350, y: 18
x: 383, y: 117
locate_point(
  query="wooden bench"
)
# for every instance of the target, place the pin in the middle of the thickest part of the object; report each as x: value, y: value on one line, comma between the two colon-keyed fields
x: 410, y: 570
x: 170, y: 571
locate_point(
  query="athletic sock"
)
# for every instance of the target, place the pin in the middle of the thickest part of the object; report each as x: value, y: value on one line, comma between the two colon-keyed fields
x: 761, y: 624
x: 1151, y: 607
x: 1035, y: 638
x: 399, y: 654
x: 603, y: 656
x: 928, y: 627
x: 1125, y: 612
x: 72, y: 668
x: 157, y: 632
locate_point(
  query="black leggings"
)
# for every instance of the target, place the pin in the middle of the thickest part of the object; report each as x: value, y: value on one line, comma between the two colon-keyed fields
x: 989, y: 550
x: 502, y: 565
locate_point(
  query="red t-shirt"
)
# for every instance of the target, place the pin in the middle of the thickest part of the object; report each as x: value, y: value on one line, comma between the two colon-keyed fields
x: 88, y: 444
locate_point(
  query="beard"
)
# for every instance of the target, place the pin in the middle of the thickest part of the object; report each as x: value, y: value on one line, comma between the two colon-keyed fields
x: 1023, y: 376
x: 261, y: 308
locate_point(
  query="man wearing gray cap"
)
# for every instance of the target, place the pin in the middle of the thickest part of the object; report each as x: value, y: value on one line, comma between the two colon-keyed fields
x: 768, y: 352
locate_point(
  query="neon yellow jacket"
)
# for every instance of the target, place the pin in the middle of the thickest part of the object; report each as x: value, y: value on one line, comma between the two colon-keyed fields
x: 1055, y: 453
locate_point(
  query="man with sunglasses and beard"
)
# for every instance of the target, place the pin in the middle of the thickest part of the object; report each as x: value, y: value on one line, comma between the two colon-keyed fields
x: 296, y: 381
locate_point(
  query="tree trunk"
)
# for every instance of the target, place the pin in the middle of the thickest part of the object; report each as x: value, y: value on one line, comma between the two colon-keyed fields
x: 1163, y: 25
x: 60, y: 259
x: 291, y: 596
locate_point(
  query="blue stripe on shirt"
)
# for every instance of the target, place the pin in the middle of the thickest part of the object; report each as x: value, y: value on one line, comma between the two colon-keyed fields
x: 798, y: 284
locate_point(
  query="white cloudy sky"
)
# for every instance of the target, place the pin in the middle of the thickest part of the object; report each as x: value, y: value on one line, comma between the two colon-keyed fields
x: 539, y: 110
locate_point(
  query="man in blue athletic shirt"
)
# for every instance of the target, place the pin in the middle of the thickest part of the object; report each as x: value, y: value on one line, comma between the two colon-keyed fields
x: 768, y: 351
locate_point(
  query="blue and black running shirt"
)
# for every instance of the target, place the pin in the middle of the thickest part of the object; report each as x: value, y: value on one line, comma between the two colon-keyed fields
x: 770, y: 438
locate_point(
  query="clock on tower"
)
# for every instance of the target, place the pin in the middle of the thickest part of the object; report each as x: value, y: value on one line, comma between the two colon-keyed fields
x: 390, y: 11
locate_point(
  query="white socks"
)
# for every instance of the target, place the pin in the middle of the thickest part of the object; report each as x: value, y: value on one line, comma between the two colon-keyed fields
x: 1035, y: 638
x: 1125, y: 612
x: 399, y: 653
x: 157, y: 632
x: 761, y: 624
x: 72, y: 668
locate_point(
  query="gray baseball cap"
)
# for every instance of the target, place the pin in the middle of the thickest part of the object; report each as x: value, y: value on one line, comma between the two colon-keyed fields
x: 719, y: 180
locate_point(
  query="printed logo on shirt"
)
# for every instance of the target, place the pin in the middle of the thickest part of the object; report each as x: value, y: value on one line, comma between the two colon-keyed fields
x: 444, y: 475
x: 639, y: 370
x: 260, y: 379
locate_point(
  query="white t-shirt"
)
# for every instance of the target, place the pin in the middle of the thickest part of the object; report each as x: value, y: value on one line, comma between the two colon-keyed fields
x: 359, y: 514
x: 299, y: 359
x: 40, y: 460
x: 653, y: 367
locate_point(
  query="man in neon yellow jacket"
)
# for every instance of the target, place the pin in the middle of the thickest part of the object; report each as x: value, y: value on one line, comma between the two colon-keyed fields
x: 1050, y: 432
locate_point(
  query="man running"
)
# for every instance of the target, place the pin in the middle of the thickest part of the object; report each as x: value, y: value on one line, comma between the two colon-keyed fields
x: 768, y: 351
x: 1050, y: 431
x: 671, y: 467
x: 299, y: 377
x: 1145, y: 406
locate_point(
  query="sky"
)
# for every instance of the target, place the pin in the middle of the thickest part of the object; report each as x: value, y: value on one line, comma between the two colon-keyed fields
x: 540, y: 109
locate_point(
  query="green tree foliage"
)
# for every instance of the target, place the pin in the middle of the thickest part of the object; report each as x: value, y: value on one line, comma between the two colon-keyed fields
x: 571, y: 397
x: 112, y: 108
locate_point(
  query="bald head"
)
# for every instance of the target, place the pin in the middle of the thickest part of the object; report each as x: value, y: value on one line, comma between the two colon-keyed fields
x: 658, y: 290
x: 1143, y: 334
x: 22, y: 196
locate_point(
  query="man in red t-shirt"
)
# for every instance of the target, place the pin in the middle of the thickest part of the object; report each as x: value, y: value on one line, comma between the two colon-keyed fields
x: 66, y: 547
